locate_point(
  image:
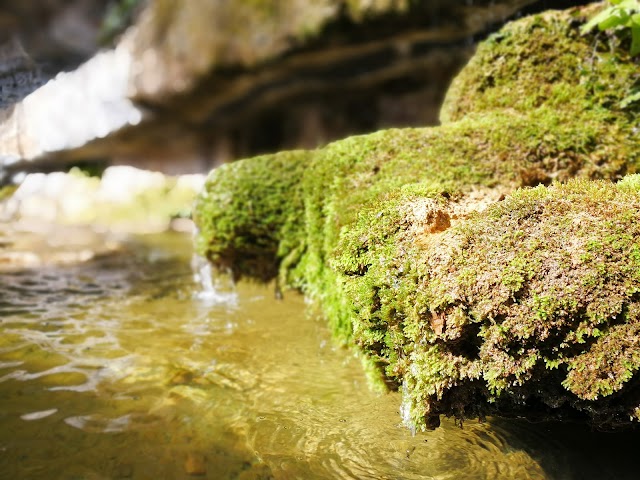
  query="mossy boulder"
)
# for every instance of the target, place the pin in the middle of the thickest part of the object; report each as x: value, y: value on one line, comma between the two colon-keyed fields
x: 544, y: 61
x: 528, y: 308
x: 380, y: 229
x: 249, y: 215
x: 279, y: 216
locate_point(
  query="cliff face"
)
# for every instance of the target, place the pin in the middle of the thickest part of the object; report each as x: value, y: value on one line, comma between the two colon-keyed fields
x: 475, y: 296
x: 193, y: 84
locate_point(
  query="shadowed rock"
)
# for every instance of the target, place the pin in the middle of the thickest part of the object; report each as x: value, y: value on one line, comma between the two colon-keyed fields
x: 210, y: 80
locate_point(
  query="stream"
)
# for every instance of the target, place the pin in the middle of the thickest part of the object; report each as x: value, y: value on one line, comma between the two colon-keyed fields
x: 122, y: 368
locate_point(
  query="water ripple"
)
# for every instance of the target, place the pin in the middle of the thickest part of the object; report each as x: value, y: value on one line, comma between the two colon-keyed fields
x: 122, y: 359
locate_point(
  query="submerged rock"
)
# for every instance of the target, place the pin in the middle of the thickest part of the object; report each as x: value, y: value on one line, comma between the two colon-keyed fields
x: 475, y: 299
x: 195, y: 464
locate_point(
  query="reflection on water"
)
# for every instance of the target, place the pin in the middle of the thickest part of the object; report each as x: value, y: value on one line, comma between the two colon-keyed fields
x: 118, y: 369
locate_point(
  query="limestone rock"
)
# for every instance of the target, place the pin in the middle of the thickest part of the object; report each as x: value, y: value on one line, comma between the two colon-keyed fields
x: 205, y: 81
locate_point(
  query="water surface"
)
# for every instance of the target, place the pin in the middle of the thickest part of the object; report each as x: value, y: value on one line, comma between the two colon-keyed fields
x: 118, y: 368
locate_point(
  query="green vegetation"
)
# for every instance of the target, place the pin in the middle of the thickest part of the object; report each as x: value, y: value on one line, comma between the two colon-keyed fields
x: 622, y: 14
x: 473, y: 313
x: 118, y: 16
x: 249, y: 216
x: 531, y: 304
x: 544, y: 61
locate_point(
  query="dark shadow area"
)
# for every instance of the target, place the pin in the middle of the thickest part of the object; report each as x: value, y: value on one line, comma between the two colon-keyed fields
x: 573, y: 451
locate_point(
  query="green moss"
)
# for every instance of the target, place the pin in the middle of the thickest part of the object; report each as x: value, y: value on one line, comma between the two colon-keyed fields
x: 315, y: 194
x: 543, y: 60
x: 249, y: 215
x: 473, y: 314
x: 504, y: 340
x: 443, y: 313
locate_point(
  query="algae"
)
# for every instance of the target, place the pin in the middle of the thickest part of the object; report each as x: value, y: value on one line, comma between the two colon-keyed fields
x: 513, y: 311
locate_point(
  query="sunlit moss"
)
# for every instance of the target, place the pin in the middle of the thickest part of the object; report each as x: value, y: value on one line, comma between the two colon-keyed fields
x: 543, y: 60
x: 250, y: 215
x: 562, y: 338
x: 313, y: 195
x: 475, y: 313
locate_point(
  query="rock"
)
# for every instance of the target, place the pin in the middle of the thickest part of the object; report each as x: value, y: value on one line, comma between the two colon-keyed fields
x: 246, y: 236
x: 62, y: 218
x: 257, y: 471
x: 505, y: 336
x: 123, y: 470
x: 474, y: 299
x: 182, y: 377
x: 265, y: 76
x: 537, y: 304
x: 195, y: 464
x: 56, y: 34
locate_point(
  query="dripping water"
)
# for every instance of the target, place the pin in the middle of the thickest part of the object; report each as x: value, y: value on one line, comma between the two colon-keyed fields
x: 216, y: 287
x: 405, y: 410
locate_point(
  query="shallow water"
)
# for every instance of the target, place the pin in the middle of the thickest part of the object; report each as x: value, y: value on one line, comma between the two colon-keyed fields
x: 118, y: 369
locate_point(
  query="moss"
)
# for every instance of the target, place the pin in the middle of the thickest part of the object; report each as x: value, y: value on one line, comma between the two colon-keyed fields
x: 500, y: 312
x: 249, y: 215
x: 315, y: 194
x: 555, y: 338
x: 543, y: 60
x: 474, y: 313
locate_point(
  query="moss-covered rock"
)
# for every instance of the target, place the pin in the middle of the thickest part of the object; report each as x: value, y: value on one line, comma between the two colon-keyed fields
x: 510, y: 311
x: 544, y: 61
x: 528, y: 308
x: 250, y: 218
x: 247, y: 206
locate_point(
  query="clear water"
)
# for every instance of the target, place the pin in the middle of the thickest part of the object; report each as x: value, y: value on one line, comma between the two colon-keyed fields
x: 121, y: 368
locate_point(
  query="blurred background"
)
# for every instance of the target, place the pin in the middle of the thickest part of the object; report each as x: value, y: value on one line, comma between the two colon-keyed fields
x: 180, y: 86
